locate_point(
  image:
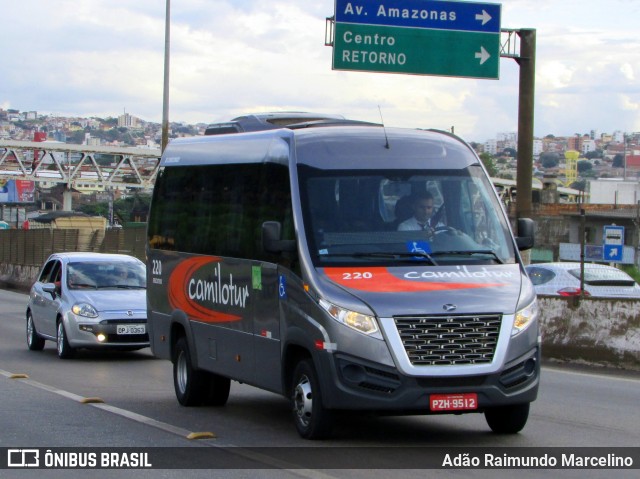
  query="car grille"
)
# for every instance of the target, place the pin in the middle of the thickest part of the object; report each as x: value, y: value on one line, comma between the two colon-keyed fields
x: 449, y: 340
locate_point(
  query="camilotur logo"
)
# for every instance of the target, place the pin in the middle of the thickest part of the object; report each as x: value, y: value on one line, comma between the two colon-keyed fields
x: 197, y: 283
x: 380, y: 280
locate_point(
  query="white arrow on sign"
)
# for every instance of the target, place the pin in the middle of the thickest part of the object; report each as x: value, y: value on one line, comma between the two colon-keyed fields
x: 613, y: 252
x: 484, y: 16
x: 483, y: 55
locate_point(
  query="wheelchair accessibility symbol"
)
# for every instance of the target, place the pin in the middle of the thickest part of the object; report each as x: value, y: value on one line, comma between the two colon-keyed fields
x: 282, y: 287
x: 422, y: 248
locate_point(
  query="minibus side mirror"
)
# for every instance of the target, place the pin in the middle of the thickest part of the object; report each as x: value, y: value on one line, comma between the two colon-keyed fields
x: 272, y: 241
x: 525, y: 237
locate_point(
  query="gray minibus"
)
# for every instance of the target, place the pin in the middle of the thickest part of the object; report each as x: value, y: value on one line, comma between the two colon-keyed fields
x: 346, y: 267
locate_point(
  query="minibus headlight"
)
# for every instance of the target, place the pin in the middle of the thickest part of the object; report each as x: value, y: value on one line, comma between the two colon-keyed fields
x: 525, y: 317
x: 84, y: 309
x: 360, y: 322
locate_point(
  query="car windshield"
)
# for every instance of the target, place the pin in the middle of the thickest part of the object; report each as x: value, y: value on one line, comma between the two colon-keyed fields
x: 437, y: 217
x: 106, y: 275
x: 604, y: 276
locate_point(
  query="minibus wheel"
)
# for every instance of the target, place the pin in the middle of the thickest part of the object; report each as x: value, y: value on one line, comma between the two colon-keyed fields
x: 312, y: 420
x: 507, y: 419
x: 189, y: 383
x: 218, y: 389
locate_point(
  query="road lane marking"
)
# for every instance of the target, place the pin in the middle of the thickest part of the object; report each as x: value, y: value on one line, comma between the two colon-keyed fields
x: 593, y: 375
x: 184, y: 433
x: 201, y: 435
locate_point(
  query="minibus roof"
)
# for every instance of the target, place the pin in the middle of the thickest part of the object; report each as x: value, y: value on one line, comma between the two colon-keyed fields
x: 335, y: 147
x: 267, y: 121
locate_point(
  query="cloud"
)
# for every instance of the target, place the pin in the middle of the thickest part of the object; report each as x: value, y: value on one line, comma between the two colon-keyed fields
x: 99, y: 57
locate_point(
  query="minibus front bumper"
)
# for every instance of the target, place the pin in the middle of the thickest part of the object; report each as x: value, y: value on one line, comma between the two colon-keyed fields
x: 356, y: 384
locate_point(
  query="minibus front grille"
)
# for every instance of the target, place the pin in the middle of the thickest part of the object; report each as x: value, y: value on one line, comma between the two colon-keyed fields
x: 449, y: 340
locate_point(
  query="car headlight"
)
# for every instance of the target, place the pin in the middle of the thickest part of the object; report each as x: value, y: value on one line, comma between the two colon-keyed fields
x: 525, y: 317
x: 360, y: 322
x: 84, y: 309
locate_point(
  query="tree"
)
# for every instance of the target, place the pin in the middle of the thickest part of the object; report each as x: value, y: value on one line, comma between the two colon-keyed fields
x: 489, y: 163
x: 579, y: 185
x: 76, y: 137
x: 584, y: 166
x: 618, y: 161
x: 549, y: 159
x: 510, y: 152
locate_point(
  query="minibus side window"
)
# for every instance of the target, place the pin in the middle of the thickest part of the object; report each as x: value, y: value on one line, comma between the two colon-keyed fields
x: 219, y: 209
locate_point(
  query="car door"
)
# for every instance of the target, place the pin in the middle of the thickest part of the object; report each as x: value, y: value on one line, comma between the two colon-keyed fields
x: 38, y: 296
x: 48, y: 302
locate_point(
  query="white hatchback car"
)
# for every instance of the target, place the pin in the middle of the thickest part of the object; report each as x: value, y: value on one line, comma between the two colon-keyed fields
x: 88, y: 300
x: 563, y: 279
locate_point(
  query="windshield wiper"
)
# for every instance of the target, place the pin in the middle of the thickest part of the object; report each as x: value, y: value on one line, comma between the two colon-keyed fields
x: 385, y: 255
x: 470, y: 253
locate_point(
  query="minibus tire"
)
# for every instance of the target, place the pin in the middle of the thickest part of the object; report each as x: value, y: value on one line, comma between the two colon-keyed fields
x: 218, y: 389
x: 189, y: 383
x: 507, y: 419
x: 311, y: 418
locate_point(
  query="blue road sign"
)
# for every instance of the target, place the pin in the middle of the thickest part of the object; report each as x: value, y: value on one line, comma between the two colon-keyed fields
x: 613, y: 243
x: 612, y: 253
x: 431, y: 14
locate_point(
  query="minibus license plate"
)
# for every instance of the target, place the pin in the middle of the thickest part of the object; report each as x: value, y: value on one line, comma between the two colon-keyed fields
x: 131, y: 329
x: 453, y: 402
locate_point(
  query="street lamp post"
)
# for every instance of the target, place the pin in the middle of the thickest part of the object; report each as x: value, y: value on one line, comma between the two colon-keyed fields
x: 165, y: 97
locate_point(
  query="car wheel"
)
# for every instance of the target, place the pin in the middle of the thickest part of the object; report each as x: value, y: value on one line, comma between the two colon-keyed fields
x: 507, y: 419
x: 189, y: 383
x: 65, y: 351
x: 34, y: 341
x: 311, y: 418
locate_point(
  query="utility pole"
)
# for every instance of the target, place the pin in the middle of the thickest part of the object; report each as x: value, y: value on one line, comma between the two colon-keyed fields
x: 165, y: 97
x: 624, y: 151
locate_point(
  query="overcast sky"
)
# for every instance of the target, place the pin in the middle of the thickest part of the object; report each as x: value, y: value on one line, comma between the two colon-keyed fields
x: 228, y: 57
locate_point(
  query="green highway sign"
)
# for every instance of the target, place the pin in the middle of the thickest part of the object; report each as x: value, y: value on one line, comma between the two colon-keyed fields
x: 420, y: 37
x: 401, y: 50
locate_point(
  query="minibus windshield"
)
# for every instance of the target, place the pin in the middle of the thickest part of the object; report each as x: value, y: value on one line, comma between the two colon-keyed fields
x: 434, y: 217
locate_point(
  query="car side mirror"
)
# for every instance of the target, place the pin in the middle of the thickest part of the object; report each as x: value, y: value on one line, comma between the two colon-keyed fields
x: 51, y: 288
x: 525, y: 238
x: 272, y: 241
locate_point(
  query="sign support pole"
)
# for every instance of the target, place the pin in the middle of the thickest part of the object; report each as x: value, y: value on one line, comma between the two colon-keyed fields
x: 524, y: 176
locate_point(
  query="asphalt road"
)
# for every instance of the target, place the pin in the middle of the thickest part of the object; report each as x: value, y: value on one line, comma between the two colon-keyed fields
x: 137, y: 409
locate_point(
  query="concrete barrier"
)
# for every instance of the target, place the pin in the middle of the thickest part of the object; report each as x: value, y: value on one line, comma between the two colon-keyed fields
x: 593, y: 330
x: 18, y: 277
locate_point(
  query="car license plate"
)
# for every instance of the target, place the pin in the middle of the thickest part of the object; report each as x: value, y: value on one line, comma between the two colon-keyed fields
x: 131, y: 329
x: 453, y: 402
